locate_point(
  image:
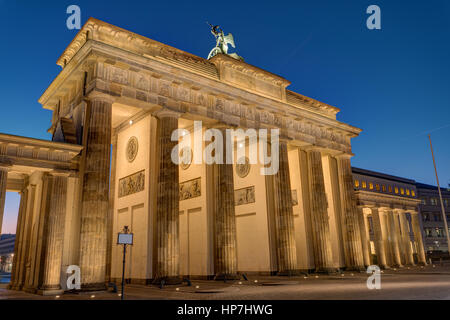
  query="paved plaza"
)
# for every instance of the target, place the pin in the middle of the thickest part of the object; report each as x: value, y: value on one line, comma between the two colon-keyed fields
x: 414, y: 283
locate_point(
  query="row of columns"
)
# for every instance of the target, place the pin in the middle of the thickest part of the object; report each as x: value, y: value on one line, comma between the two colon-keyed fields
x: 94, y: 235
x: 225, y: 258
x: 391, y: 237
x: 40, y: 235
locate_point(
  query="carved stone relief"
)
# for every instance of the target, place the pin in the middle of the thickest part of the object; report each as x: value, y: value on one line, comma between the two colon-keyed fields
x: 132, y: 149
x: 243, y: 167
x: 190, y: 189
x: 132, y: 184
x: 244, y: 196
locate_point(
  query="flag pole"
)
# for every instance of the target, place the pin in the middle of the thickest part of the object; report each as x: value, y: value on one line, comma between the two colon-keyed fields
x: 440, y: 197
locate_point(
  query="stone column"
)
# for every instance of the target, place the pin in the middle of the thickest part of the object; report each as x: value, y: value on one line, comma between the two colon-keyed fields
x: 54, y: 236
x: 319, y: 214
x: 354, y: 258
x: 365, y: 241
x: 14, y: 283
x: 225, y: 254
x: 406, y: 240
x: 3, y: 182
x: 167, y: 212
x: 26, y: 238
x: 112, y: 193
x: 393, y: 237
x: 418, y: 238
x: 379, y: 237
x: 284, y: 215
x: 95, y: 189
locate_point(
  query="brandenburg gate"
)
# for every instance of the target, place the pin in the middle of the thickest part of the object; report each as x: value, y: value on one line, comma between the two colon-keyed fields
x: 115, y: 103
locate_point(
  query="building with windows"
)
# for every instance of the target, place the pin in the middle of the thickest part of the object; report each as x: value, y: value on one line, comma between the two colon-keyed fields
x: 6, y: 252
x: 432, y: 219
x: 389, y: 219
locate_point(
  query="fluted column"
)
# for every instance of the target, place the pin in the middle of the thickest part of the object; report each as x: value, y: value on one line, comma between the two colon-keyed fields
x: 26, y: 238
x: 225, y: 254
x: 353, y: 249
x: 284, y: 215
x: 406, y: 240
x: 54, y: 236
x: 3, y: 181
x: 365, y: 241
x: 167, y: 212
x: 379, y: 237
x: 393, y: 239
x: 94, y: 212
x: 112, y: 193
x: 418, y: 238
x: 319, y: 214
x: 15, y: 284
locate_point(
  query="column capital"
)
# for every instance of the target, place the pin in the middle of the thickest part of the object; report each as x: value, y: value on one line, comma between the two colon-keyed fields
x: 5, y: 167
x: 100, y: 96
x: 167, y: 113
x: 343, y: 155
x: 57, y: 173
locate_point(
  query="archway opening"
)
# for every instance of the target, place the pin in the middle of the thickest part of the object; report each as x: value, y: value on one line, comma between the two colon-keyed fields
x: 8, y: 235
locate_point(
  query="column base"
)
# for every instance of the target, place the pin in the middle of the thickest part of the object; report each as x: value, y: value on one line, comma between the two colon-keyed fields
x: 227, y: 276
x: 49, y: 292
x: 15, y: 287
x: 101, y: 286
x: 168, y: 280
x: 30, y: 289
x: 290, y: 273
x: 326, y: 270
x: 356, y: 268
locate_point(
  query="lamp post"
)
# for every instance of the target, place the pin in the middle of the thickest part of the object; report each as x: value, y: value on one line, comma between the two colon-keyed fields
x: 440, y: 197
x: 124, y: 238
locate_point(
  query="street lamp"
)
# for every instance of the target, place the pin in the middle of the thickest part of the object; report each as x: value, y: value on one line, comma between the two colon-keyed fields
x: 124, y: 238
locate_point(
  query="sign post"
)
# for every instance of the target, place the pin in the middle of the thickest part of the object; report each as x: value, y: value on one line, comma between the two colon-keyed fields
x: 124, y: 238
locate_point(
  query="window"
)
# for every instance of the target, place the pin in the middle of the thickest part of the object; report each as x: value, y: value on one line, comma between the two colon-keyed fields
x: 424, y: 201
x: 433, y: 201
x: 370, y: 185
x: 413, y: 193
x: 377, y: 186
x: 396, y: 189
x: 439, y: 232
x: 437, y: 217
x: 390, y: 189
x: 446, y: 202
x: 402, y: 191
x: 383, y: 188
x: 407, y: 192
x: 356, y: 183
x: 364, y: 185
x: 428, y: 233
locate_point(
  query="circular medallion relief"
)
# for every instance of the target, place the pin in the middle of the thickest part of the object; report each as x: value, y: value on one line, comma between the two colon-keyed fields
x: 243, y: 167
x: 132, y: 149
x: 185, y: 158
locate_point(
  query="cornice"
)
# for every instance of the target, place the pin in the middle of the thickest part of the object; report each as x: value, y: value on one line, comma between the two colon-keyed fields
x: 99, y: 31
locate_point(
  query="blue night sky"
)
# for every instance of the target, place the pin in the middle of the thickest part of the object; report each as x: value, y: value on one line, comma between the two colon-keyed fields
x: 393, y: 83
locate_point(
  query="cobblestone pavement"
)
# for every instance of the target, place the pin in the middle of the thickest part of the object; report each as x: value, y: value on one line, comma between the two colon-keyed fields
x: 430, y: 282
